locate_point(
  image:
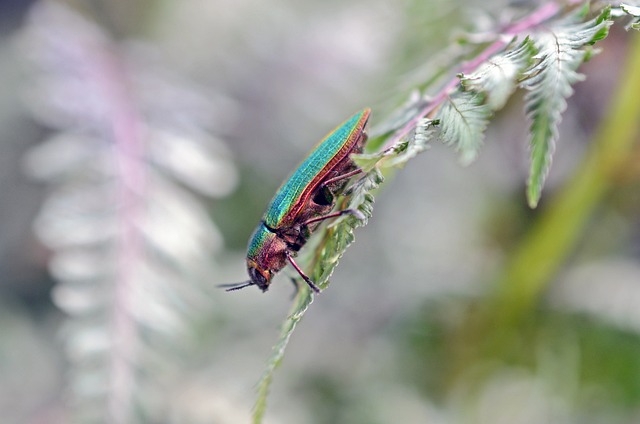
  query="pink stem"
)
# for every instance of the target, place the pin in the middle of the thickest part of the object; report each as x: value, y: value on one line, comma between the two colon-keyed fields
x: 123, y: 126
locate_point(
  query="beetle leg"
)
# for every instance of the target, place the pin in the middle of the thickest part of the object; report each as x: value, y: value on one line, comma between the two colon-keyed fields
x: 302, y: 274
x: 342, y: 176
x: 353, y: 212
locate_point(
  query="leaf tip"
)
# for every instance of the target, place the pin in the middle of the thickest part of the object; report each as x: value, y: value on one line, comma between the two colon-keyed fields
x: 533, y: 196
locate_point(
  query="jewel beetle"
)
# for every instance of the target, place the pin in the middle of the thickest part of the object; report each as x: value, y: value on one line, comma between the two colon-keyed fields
x: 302, y: 202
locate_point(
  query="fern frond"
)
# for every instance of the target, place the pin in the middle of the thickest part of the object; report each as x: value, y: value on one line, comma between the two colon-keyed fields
x: 498, y: 77
x: 561, y: 50
x: 128, y: 241
x: 463, y: 119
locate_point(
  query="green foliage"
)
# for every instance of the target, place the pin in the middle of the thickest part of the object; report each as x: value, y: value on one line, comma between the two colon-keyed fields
x: 580, y: 343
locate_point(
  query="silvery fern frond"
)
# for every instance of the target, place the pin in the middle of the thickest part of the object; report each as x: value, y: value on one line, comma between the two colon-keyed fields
x: 560, y: 51
x: 498, y: 76
x: 463, y: 118
x: 131, y: 152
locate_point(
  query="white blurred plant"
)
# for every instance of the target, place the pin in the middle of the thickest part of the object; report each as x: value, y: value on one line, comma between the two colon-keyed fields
x: 130, y: 153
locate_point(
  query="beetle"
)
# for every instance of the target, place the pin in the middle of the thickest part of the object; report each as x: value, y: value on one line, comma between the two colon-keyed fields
x: 302, y: 202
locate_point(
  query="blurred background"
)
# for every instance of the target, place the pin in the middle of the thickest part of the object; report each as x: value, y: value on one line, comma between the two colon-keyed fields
x: 140, y: 143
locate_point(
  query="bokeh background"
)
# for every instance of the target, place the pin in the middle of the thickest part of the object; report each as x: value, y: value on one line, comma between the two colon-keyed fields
x: 140, y: 142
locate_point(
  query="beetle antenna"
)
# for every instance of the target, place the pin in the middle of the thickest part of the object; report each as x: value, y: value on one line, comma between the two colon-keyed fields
x: 236, y: 286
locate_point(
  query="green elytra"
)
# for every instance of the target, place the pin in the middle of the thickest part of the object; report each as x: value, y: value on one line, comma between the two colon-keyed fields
x: 280, y: 233
x: 291, y: 195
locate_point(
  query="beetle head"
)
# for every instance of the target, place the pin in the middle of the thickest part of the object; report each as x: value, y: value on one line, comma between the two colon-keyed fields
x: 266, y: 255
x: 258, y: 277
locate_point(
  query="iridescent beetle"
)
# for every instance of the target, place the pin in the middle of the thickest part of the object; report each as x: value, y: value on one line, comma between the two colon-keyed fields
x: 302, y: 202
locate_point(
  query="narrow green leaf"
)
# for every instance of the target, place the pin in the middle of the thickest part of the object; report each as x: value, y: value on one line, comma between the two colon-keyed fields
x: 463, y: 119
x: 560, y: 53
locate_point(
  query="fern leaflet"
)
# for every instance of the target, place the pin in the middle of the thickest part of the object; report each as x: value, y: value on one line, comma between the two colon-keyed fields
x: 497, y: 77
x: 560, y: 51
x: 463, y: 120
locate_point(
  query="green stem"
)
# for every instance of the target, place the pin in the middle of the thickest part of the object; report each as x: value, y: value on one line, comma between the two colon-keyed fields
x: 553, y: 237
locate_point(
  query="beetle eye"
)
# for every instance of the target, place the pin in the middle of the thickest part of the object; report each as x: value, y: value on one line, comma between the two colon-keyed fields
x: 258, y: 279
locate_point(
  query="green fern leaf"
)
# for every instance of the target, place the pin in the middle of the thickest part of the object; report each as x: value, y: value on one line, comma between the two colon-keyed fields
x: 463, y: 119
x: 560, y: 52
